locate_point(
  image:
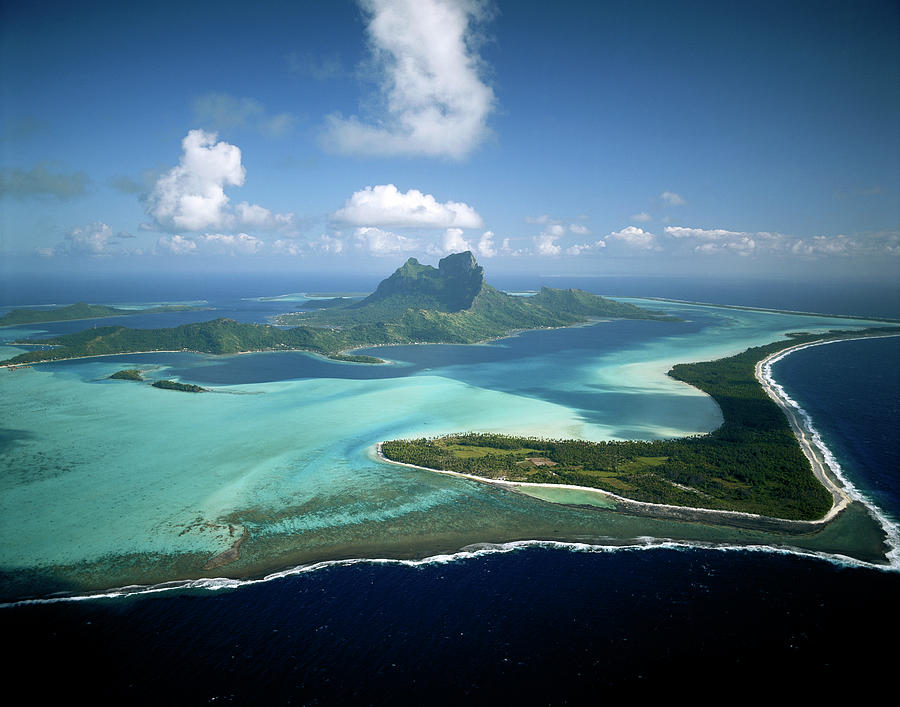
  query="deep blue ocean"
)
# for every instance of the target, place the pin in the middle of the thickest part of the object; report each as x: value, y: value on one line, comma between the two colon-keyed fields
x: 538, y: 625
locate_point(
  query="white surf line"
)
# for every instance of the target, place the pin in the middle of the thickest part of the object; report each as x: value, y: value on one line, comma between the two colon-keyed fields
x: 472, y: 551
x: 847, y: 491
x: 804, y: 435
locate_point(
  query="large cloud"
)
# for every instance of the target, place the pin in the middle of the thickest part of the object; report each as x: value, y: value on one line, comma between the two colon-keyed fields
x: 435, y: 102
x: 385, y: 205
x: 191, y: 196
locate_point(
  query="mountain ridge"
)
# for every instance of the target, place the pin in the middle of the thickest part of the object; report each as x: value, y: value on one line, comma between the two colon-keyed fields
x: 457, y: 286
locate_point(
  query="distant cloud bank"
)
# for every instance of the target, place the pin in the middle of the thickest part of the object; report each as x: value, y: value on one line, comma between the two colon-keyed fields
x: 40, y: 181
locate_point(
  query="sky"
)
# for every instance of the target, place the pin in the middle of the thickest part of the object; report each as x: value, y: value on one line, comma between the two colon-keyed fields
x: 693, y: 139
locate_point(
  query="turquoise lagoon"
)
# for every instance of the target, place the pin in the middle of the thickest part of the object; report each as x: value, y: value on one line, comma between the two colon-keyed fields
x: 112, y: 483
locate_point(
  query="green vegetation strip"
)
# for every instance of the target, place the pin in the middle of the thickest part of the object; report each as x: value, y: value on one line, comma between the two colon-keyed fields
x: 174, y: 385
x: 81, y: 311
x: 752, y: 463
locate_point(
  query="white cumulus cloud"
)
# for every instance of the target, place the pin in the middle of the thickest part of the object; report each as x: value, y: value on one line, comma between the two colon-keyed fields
x: 634, y: 237
x: 191, y: 196
x: 451, y: 242
x: 580, y: 248
x: 93, y: 239
x: 260, y: 217
x: 434, y: 100
x: 823, y: 245
x: 744, y: 245
x: 486, y: 247
x: 211, y: 244
x: 546, y: 242
x: 385, y: 205
x: 705, y: 234
x: 226, y: 244
x: 375, y: 241
x: 176, y: 245
x: 672, y: 199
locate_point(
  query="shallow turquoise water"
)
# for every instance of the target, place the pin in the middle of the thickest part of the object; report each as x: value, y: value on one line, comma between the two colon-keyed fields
x: 98, y: 468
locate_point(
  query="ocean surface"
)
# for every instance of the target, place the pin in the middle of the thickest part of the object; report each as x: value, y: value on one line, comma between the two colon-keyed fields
x: 374, y: 584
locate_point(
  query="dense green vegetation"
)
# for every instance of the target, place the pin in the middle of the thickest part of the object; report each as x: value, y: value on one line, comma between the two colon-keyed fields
x: 751, y: 463
x: 354, y: 358
x: 417, y: 304
x: 184, y: 387
x: 129, y: 374
x: 80, y: 311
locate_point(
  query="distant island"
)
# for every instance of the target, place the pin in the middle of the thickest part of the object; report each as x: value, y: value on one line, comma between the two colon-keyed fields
x: 183, y: 387
x: 417, y: 304
x: 81, y: 310
x: 758, y: 461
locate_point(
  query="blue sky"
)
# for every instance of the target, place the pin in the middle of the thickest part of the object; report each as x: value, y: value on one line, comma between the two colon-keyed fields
x: 587, y: 138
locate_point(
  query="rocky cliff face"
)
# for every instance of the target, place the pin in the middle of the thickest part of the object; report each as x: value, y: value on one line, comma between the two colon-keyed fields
x: 460, y: 265
x: 450, y: 287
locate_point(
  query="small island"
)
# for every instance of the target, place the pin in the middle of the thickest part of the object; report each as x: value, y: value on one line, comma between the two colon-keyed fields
x: 81, y: 310
x: 129, y: 374
x: 758, y: 462
x: 183, y: 387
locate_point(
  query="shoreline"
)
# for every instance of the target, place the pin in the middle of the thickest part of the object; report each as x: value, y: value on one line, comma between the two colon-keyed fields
x: 806, y: 436
x: 14, y: 366
x: 740, y: 519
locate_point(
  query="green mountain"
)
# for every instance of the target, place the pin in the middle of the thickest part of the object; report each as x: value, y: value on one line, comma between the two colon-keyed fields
x: 417, y: 304
x: 449, y: 288
x: 452, y: 302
